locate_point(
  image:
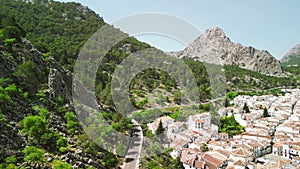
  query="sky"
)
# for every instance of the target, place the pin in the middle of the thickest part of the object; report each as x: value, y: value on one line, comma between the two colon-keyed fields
x: 272, y: 25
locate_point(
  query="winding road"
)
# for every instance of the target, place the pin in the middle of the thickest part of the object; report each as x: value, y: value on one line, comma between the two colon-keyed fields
x: 132, y: 158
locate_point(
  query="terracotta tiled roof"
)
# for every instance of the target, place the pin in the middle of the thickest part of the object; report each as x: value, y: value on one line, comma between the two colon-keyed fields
x: 297, y: 158
x: 223, y: 134
x: 199, y: 164
x: 178, y: 143
x: 163, y: 119
x: 278, y: 144
x: 192, y: 157
x: 212, y: 162
x: 241, y: 152
x: 199, y: 120
x: 239, y: 162
x: 223, y: 152
x: 230, y: 167
x: 276, y: 164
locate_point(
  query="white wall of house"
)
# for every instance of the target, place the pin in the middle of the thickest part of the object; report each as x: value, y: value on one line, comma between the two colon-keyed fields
x: 277, y: 151
x: 285, y: 151
x: 186, y: 166
x: 196, y: 126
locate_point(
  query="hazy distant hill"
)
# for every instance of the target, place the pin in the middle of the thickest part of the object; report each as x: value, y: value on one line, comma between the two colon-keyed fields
x: 292, y: 57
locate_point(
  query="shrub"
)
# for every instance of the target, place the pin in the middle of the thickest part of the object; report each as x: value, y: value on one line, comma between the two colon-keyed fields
x: 34, y: 126
x: 9, y: 42
x: 11, y: 160
x: 149, y: 134
x: 231, y: 95
x: 121, y: 149
x: 33, y: 154
x: 44, y: 113
x: 11, y: 166
x: 70, y: 117
x: 230, y: 126
x: 2, y: 119
x: 48, y: 138
x: 63, y: 149
x: 71, y: 127
x: 61, y: 165
x: 62, y: 142
x: 10, y: 32
x: 29, y: 76
x: 175, y: 115
x: 110, y: 160
x: 1, y: 34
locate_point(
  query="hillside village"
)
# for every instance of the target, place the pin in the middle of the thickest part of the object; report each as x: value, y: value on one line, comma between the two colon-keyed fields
x: 268, y: 142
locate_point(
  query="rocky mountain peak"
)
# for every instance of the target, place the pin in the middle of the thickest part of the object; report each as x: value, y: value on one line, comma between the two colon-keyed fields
x: 213, y: 46
x: 215, y: 32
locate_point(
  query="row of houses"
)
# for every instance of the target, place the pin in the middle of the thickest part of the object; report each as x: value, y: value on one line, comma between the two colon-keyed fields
x: 277, y: 134
x: 287, y: 137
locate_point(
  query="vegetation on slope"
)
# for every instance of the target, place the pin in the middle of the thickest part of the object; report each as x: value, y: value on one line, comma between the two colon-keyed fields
x: 36, y: 131
x: 60, y: 30
x: 230, y: 126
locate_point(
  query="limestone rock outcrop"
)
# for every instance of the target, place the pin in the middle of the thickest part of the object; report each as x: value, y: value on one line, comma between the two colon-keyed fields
x: 214, y: 47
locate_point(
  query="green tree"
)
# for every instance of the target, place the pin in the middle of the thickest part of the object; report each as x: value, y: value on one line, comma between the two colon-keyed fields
x: 266, y: 113
x: 109, y: 160
x: 10, y: 32
x: 230, y: 126
x: 28, y: 75
x: 177, y: 97
x: 33, y: 155
x: 205, y: 148
x: 226, y: 104
x: 160, y: 128
x: 35, y: 127
x: 246, y: 108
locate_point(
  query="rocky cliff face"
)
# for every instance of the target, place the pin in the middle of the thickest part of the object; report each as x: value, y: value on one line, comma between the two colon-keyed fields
x: 59, y: 82
x: 59, y: 85
x: 292, y: 57
x: 213, y: 46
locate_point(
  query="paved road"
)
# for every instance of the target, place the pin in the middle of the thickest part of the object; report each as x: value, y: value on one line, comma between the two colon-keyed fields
x: 132, y: 158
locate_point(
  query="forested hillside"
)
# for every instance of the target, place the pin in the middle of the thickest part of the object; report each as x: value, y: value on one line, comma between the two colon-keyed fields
x: 37, y: 130
x: 59, y: 29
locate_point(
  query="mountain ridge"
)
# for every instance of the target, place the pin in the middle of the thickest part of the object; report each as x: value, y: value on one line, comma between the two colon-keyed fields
x: 214, y: 47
